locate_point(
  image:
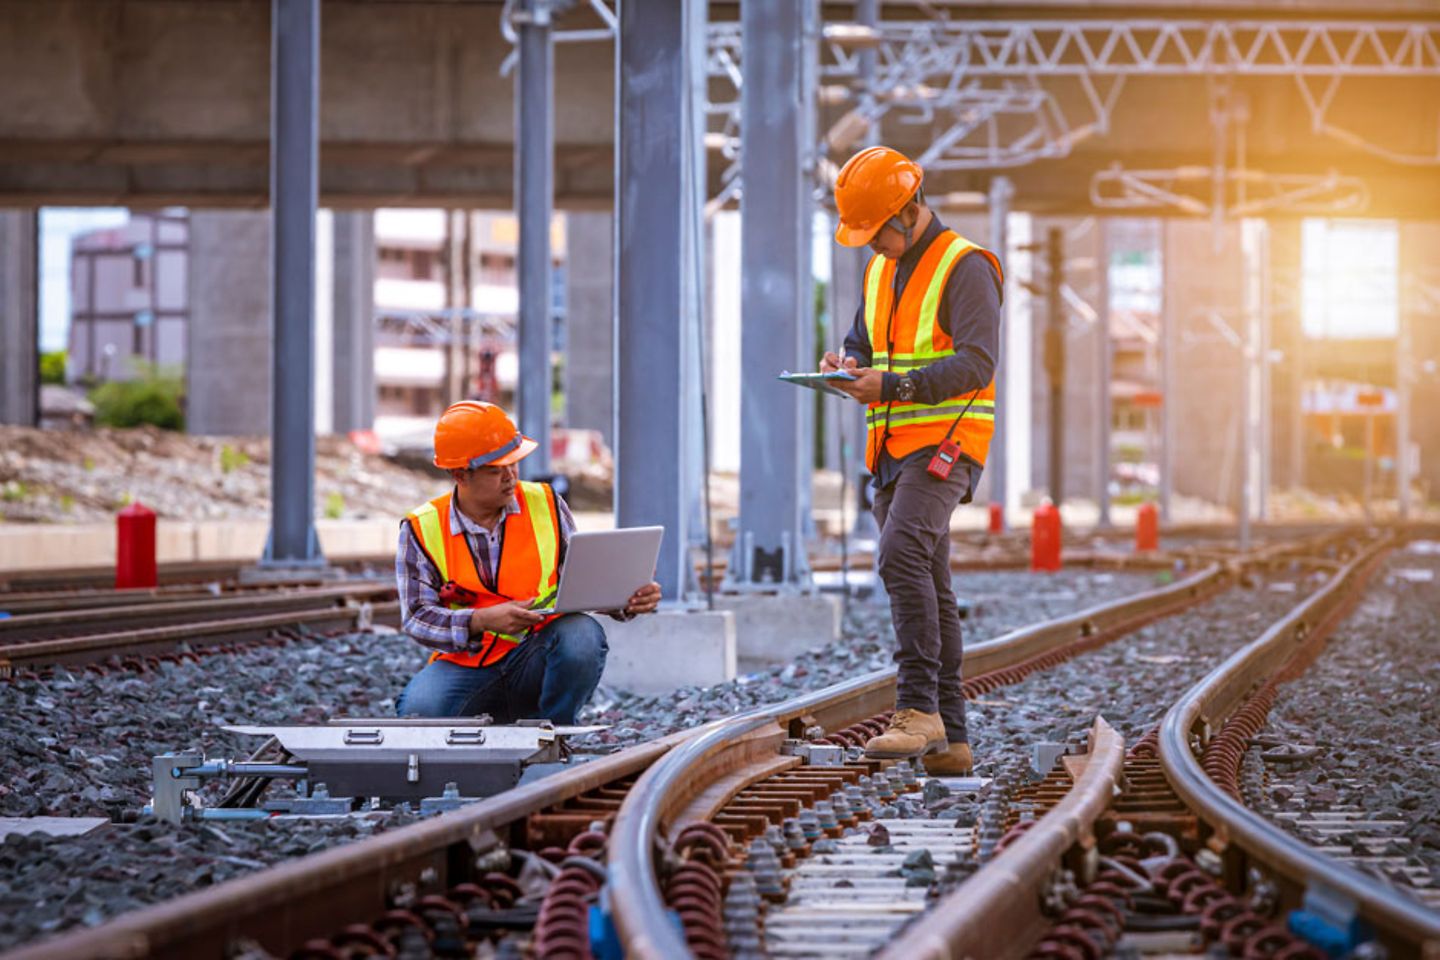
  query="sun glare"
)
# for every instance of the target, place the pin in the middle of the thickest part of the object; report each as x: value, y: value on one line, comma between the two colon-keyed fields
x: 1351, y: 274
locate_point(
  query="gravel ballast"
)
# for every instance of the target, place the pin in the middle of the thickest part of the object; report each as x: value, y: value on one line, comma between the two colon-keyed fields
x: 80, y: 745
x: 1360, y: 730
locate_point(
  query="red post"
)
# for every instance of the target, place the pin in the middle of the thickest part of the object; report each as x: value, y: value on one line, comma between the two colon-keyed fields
x: 1147, y: 528
x: 997, y: 519
x: 1045, y: 538
x: 135, y: 547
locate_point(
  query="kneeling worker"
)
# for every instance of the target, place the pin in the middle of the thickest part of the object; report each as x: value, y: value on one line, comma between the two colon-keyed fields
x: 470, y: 567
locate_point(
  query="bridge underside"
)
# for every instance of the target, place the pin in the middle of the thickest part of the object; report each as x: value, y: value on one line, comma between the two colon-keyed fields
x: 161, y: 102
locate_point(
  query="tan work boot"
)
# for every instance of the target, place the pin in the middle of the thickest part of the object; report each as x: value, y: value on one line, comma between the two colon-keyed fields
x: 954, y: 762
x: 911, y: 734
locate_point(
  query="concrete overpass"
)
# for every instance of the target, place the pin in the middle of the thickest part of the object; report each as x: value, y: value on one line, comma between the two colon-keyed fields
x: 152, y: 102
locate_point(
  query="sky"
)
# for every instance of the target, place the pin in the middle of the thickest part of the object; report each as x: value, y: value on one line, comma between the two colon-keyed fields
x: 57, y: 226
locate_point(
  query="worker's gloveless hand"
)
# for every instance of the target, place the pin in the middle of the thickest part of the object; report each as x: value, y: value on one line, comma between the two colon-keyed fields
x: 510, y: 618
x: 644, y: 600
x: 832, y: 362
x: 866, y: 385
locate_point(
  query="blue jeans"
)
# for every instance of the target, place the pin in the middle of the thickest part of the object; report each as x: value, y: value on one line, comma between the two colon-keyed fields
x: 548, y: 676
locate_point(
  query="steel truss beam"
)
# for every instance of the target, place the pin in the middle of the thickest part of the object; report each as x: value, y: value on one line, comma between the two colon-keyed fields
x: 985, y: 77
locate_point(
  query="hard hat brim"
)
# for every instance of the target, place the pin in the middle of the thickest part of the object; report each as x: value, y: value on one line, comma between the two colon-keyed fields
x: 854, y: 236
x: 527, y: 447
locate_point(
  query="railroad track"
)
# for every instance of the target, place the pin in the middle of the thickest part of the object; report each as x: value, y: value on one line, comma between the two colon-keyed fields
x: 468, y: 850
x: 164, y: 622
x: 1063, y: 880
x: 687, y: 826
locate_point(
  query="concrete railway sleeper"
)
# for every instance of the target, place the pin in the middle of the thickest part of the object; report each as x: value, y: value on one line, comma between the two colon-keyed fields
x: 473, y: 858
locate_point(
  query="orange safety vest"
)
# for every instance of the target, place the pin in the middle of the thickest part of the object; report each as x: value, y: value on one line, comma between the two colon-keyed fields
x: 908, y: 335
x: 529, y: 562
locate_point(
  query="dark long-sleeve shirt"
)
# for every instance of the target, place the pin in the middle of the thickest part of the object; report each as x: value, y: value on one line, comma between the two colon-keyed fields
x: 969, y: 312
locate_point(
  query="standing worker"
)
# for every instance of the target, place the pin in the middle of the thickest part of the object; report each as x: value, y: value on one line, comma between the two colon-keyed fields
x: 471, y: 566
x: 922, y: 351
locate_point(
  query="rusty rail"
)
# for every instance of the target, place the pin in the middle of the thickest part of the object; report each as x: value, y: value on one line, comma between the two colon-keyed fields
x: 58, y: 624
x: 1404, y: 925
x: 991, y: 913
x: 285, y: 905
x: 669, y: 786
x: 149, y: 642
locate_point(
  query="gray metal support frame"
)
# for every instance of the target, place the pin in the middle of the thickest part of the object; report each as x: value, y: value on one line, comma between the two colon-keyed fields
x: 534, y: 199
x: 1002, y: 192
x: 354, y: 346
x: 1404, y: 382
x: 657, y: 286
x: 1104, y: 358
x: 776, y: 299
x: 1170, y: 343
x: 855, y: 259
x: 294, y: 155
x: 19, y: 318
x: 1055, y: 360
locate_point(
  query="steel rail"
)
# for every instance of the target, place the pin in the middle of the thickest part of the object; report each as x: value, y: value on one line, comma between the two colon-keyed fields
x: 318, y: 894
x: 100, y: 576
x: 668, y: 785
x: 1400, y: 921
x: 990, y: 914
x: 89, y: 649
x: 56, y: 624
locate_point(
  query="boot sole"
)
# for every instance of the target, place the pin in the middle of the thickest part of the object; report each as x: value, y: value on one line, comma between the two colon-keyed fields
x: 931, y: 747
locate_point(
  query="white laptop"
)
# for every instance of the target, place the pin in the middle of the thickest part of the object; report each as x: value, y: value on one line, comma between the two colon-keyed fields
x: 604, y: 569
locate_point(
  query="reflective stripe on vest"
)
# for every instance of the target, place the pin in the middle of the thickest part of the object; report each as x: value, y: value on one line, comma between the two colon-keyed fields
x: 528, y: 564
x: 907, y: 335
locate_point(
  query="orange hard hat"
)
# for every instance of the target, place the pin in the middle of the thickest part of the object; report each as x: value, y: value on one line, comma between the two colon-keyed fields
x: 473, y: 433
x: 872, y: 187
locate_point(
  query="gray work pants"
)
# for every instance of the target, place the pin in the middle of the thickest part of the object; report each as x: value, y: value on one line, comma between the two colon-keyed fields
x: 914, y: 563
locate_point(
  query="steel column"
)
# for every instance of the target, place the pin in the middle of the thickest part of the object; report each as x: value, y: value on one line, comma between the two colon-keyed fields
x: 534, y: 198
x: 20, y: 318
x: 777, y: 106
x: 1055, y: 360
x: 294, y: 152
x: 656, y: 286
x: 1002, y: 191
x: 867, y: 14
x: 1170, y: 342
x: 1404, y: 380
x: 1104, y: 349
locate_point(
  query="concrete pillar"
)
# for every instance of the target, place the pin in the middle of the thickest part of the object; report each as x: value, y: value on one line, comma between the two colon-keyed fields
x: 19, y: 318
x: 590, y: 322
x: 228, y: 367
x: 1420, y: 279
x: 1203, y: 297
x: 1286, y: 338
x: 354, y: 313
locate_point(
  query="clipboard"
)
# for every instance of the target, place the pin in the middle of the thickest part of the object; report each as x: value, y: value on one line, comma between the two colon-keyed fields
x: 819, y: 381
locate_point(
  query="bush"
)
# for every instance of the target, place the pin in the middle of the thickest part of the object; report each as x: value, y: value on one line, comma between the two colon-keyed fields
x: 52, y: 367
x: 334, y: 505
x: 152, y: 398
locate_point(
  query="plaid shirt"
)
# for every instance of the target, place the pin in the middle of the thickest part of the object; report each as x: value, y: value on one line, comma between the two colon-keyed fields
x: 425, y: 618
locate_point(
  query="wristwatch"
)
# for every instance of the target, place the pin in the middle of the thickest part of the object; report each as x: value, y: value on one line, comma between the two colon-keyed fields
x: 905, y: 389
